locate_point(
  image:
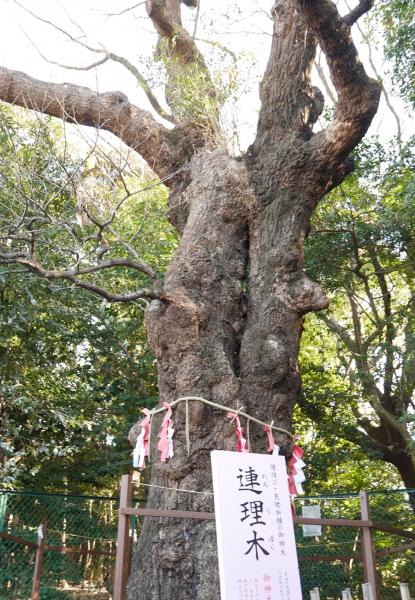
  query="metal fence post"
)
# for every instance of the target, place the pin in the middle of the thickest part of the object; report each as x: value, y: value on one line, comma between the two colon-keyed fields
x: 123, y: 540
x: 368, y: 552
x: 40, y: 550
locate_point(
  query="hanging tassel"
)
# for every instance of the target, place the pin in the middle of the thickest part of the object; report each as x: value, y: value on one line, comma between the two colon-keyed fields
x: 242, y: 444
x: 141, y: 449
x: 165, y: 444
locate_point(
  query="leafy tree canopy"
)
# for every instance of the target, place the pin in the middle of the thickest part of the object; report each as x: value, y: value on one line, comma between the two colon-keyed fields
x: 74, y: 370
x: 359, y: 356
x: 399, y: 22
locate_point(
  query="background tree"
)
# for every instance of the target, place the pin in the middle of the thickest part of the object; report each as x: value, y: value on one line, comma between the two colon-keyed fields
x: 361, y: 249
x: 74, y: 372
x: 226, y: 322
x: 398, y: 21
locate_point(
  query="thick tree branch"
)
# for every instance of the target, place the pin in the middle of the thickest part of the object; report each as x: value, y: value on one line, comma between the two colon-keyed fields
x: 346, y: 431
x: 358, y: 95
x: 366, y: 39
x: 111, y: 111
x: 407, y: 379
x: 358, y: 268
x: 371, y: 391
x: 340, y: 331
x: 190, y: 91
x: 390, y: 328
x: 288, y: 100
x: 363, y: 7
x: 166, y: 18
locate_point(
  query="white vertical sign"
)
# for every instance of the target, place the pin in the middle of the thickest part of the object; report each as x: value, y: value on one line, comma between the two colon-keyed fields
x: 311, y: 511
x: 254, y: 526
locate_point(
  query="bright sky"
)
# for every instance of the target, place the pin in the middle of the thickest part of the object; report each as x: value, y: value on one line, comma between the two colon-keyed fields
x: 244, y: 28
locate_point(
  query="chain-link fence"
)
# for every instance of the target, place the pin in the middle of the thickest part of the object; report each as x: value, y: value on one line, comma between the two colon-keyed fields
x: 79, y: 527
x: 332, y: 560
x: 329, y: 560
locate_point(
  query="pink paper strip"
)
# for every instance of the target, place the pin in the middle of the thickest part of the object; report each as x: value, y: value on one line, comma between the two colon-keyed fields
x: 271, y: 442
x: 164, y: 443
x: 242, y: 443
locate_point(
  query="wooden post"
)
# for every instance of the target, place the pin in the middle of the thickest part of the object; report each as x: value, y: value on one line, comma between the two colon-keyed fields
x: 123, y: 540
x: 405, y: 594
x: 40, y: 550
x: 368, y: 593
x: 315, y: 594
x: 368, y: 552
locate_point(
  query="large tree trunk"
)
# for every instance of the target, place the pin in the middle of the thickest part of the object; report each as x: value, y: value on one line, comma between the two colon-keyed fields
x: 229, y: 334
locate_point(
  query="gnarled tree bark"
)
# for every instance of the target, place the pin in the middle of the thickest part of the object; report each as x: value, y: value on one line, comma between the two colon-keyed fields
x: 236, y: 292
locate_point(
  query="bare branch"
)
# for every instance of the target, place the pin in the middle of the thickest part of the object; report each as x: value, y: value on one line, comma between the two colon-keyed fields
x: 196, y: 19
x: 143, y: 83
x: 358, y: 95
x: 89, y: 67
x: 111, y: 111
x: 137, y: 265
x: 363, y: 7
x: 72, y: 275
x: 108, y: 55
x: 365, y: 38
x: 125, y: 10
x: 60, y: 29
x: 323, y: 79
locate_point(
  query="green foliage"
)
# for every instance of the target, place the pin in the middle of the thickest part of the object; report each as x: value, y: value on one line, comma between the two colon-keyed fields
x: 74, y: 374
x: 398, y: 18
x: 361, y: 351
x: 81, y: 522
x: 74, y: 370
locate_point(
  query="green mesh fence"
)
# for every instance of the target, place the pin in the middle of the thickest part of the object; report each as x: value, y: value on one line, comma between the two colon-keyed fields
x: 83, y: 523
x: 343, y: 545
x: 398, y: 510
x: 330, y: 561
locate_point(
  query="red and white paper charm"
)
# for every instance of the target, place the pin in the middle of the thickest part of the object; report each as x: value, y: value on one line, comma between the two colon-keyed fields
x: 296, y: 476
x: 141, y: 449
x: 242, y: 443
x: 165, y: 444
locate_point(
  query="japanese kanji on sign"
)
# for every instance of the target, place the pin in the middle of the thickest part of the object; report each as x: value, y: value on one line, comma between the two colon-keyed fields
x: 254, y: 525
